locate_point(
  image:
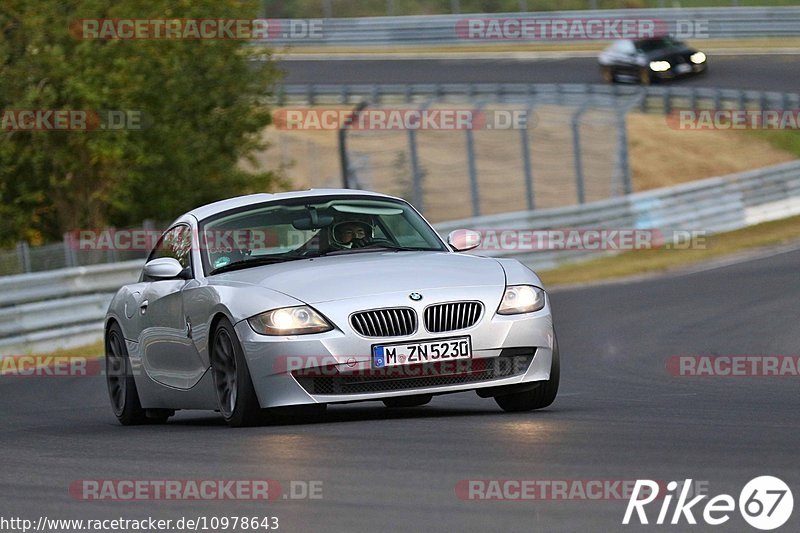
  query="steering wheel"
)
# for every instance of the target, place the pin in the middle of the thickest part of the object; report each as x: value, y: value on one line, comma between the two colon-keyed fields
x: 363, y: 243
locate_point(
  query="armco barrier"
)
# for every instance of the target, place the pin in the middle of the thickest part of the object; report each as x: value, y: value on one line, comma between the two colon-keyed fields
x: 715, y: 23
x: 712, y: 205
x: 43, y: 311
x: 653, y: 99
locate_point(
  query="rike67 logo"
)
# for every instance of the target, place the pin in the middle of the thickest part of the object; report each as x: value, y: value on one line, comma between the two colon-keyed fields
x: 765, y: 503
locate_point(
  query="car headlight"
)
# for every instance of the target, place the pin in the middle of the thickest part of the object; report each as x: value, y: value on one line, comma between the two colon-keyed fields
x: 659, y: 66
x: 697, y: 58
x: 521, y: 299
x: 289, y: 321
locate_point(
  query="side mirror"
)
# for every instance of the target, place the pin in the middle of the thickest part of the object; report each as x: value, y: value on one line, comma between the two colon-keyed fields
x: 462, y: 240
x: 163, y: 268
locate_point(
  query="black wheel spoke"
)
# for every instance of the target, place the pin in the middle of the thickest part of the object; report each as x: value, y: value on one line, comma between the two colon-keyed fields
x: 116, y: 372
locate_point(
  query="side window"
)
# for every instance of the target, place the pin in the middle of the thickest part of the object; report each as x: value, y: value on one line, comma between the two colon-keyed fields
x: 176, y: 243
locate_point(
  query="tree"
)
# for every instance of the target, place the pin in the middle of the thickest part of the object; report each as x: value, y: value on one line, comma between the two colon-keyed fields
x: 201, y: 103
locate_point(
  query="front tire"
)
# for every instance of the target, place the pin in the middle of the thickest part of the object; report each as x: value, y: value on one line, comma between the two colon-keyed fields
x: 236, y: 396
x: 608, y: 74
x: 538, y: 398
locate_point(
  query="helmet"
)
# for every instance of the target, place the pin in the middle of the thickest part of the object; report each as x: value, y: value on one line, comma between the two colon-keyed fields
x: 346, y: 232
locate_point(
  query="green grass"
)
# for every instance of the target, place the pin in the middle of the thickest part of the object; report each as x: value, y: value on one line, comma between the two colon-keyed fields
x: 96, y: 349
x: 788, y: 140
x: 662, y: 259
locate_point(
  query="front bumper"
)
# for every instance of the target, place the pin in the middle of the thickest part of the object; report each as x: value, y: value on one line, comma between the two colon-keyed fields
x: 336, y: 366
x: 676, y: 72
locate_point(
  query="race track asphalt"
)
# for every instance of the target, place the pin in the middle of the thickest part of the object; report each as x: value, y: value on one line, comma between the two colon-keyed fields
x: 753, y: 72
x: 619, y: 416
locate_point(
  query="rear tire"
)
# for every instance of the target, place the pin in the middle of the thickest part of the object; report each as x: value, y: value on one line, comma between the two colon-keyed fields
x: 236, y: 395
x: 122, y: 387
x: 538, y: 398
x: 408, y: 401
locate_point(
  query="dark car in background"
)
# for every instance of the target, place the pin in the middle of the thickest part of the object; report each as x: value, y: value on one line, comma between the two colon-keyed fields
x: 649, y: 60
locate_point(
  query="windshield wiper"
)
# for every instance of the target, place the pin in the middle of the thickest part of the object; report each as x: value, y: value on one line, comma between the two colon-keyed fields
x: 376, y: 247
x: 247, y: 263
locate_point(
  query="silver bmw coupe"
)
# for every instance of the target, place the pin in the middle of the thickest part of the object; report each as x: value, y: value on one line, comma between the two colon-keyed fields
x: 271, y: 305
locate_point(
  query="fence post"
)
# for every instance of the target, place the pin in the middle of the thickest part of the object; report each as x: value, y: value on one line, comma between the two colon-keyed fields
x: 473, y: 171
x: 24, y: 256
x: 69, y: 258
x: 576, y: 147
x: 416, y: 175
x: 526, y: 159
x: 343, y: 157
x: 622, y: 141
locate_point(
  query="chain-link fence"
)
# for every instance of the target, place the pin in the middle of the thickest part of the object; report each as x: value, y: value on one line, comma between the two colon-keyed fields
x: 81, y: 248
x: 504, y: 156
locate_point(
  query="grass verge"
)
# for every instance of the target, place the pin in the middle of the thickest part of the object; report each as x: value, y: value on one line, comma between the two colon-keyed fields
x: 96, y: 349
x: 660, y: 260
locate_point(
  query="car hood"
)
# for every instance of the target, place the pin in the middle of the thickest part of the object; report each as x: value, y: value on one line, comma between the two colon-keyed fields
x: 369, y: 273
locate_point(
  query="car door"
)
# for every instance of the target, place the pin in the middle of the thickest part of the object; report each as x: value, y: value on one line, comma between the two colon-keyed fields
x: 169, y: 355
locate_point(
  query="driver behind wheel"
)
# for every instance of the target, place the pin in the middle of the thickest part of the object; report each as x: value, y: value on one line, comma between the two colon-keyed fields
x: 351, y: 234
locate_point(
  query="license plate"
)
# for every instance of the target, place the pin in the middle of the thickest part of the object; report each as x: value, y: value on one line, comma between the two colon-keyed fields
x: 411, y: 353
x: 683, y: 67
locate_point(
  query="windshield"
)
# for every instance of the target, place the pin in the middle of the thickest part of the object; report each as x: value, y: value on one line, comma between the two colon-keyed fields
x: 661, y: 43
x: 311, y: 227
